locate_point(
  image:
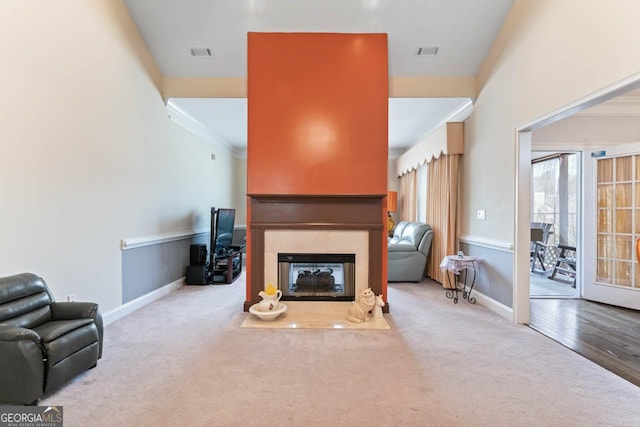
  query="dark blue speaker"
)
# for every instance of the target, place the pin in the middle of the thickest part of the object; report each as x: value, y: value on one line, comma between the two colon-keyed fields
x: 198, y: 275
x: 198, y: 254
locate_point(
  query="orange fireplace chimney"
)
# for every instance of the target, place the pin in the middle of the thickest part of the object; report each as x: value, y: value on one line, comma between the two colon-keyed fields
x: 317, y: 126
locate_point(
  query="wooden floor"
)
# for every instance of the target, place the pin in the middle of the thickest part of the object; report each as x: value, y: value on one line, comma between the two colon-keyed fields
x: 604, y: 334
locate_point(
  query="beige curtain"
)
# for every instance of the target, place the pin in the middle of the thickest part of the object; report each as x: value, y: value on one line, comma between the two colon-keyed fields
x: 442, y: 211
x: 409, y: 195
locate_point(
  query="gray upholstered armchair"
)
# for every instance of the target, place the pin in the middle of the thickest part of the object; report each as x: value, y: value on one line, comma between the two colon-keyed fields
x: 43, y: 343
x: 408, y: 250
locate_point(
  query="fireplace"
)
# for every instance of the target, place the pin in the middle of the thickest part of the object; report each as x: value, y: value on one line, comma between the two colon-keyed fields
x: 316, y: 277
x: 315, y: 225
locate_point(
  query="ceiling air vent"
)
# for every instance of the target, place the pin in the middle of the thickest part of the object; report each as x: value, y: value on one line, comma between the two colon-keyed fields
x: 201, y: 51
x: 427, y: 51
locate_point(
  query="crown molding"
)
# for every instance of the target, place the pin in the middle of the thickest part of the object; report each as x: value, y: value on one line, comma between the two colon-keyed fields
x: 460, y: 114
x: 184, y: 119
x: 394, y: 153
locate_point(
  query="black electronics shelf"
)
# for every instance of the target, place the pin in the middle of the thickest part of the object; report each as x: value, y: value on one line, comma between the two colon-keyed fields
x: 227, y: 265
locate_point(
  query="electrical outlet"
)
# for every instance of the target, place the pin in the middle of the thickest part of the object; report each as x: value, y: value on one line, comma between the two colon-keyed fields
x: 71, y: 298
x: 482, y: 215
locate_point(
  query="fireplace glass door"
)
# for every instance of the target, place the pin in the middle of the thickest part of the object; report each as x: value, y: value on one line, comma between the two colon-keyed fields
x: 316, y: 277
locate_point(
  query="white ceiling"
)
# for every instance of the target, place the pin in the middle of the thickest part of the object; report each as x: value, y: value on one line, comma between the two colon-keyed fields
x: 463, y: 30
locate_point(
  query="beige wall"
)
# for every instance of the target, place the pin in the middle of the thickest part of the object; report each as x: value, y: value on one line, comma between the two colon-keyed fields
x: 548, y: 54
x: 240, y: 189
x: 399, y: 87
x: 578, y: 132
x: 89, y: 155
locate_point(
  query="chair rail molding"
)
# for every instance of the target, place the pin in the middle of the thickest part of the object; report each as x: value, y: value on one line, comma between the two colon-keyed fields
x: 137, y: 242
x: 499, y: 245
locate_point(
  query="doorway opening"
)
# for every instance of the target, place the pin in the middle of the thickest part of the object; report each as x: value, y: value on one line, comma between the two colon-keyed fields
x: 574, y: 322
x: 524, y: 145
x: 555, y: 204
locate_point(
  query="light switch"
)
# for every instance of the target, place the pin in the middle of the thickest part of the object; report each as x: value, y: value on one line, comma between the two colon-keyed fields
x: 482, y: 215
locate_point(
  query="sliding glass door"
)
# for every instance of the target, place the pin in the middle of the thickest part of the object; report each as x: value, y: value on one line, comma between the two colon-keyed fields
x: 554, y: 214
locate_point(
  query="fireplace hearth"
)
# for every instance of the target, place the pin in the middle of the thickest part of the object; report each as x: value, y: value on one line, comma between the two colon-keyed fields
x: 316, y: 277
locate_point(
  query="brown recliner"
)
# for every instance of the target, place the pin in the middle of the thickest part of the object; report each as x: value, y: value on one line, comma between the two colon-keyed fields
x: 43, y: 343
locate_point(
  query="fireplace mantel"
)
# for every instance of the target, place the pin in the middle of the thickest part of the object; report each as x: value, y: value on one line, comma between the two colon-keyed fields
x: 314, y: 212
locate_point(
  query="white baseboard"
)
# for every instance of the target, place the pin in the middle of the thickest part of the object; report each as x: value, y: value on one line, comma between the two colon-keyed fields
x: 493, y: 305
x: 136, y: 304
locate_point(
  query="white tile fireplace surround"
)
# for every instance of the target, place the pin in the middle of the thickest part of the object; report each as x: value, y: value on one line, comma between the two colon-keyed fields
x: 317, y: 241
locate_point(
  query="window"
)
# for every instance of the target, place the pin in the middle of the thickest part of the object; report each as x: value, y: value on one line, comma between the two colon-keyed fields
x: 421, y: 191
x: 554, y: 195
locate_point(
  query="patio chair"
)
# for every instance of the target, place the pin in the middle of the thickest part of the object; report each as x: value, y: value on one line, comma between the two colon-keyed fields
x: 565, y: 265
x: 542, y: 255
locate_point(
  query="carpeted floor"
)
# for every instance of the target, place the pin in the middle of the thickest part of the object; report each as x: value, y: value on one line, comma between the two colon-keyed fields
x: 184, y: 361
